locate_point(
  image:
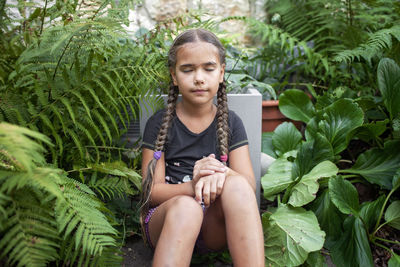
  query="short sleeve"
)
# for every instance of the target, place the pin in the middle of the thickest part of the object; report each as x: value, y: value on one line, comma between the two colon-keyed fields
x: 151, y: 130
x: 238, y: 136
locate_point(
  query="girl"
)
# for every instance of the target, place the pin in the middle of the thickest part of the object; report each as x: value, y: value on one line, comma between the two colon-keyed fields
x: 198, y: 190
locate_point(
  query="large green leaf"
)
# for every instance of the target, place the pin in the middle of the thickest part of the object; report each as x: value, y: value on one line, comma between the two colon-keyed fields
x: 392, y: 214
x: 266, y: 144
x: 311, y: 153
x: 278, y: 177
x: 286, y: 138
x: 344, y: 195
x: 291, y: 233
x: 369, y: 131
x: 369, y: 211
x: 296, y: 105
x: 338, y: 121
x: 378, y: 166
x: 329, y: 217
x: 352, y: 249
x: 389, y: 85
x: 306, y: 189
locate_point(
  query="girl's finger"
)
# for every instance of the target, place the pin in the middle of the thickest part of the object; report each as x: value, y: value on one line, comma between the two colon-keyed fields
x: 220, y: 184
x: 198, y: 189
x: 206, y: 193
x: 213, y: 189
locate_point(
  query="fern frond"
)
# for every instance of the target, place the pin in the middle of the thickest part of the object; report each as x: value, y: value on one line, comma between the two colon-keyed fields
x: 80, y: 213
x: 19, y: 149
x: 118, y: 169
x: 111, y: 187
x: 67, y: 104
x: 272, y: 35
x: 375, y: 45
x: 103, y: 123
x: 77, y: 142
x: 31, y: 237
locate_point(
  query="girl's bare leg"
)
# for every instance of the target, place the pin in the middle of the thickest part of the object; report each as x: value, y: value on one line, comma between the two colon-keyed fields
x: 173, y: 229
x: 234, y: 218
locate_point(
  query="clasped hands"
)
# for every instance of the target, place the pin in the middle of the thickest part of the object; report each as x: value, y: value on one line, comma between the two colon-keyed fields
x: 208, y: 179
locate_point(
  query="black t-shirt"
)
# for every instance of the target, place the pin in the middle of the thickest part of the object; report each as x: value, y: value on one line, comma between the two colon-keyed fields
x: 183, y: 147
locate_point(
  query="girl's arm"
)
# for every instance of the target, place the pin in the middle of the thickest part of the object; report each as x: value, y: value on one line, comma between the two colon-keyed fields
x: 162, y: 191
x: 240, y: 164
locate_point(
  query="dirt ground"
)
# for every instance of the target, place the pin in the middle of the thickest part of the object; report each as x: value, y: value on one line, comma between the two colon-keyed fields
x: 137, y: 254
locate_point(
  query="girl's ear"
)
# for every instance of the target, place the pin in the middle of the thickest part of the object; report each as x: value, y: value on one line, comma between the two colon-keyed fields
x: 221, y: 77
x: 173, y: 75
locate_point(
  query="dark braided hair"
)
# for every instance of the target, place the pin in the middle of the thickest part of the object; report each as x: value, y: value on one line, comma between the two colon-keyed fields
x: 189, y: 36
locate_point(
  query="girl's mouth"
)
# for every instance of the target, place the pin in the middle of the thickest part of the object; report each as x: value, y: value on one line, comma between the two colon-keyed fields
x: 199, y: 91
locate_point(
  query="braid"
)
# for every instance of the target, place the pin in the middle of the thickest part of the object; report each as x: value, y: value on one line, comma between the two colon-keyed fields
x: 148, y: 181
x: 222, y: 119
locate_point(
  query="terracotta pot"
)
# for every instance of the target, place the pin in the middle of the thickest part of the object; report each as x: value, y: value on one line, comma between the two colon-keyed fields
x: 272, y: 117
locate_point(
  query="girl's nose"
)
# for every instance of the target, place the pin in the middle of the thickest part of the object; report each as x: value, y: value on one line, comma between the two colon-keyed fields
x: 198, y: 81
x: 198, y: 78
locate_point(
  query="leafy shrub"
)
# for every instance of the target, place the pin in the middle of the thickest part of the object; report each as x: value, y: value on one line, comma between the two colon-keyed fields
x: 317, y: 185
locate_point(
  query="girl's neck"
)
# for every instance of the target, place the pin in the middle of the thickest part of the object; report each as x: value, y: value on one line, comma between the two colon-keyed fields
x: 196, y: 119
x: 199, y: 111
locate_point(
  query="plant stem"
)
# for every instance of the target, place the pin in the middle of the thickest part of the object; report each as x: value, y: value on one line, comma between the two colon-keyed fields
x: 347, y: 176
x: 287, y: 192
x: 382, y: 246
x: 377, y: 229
x: 383, y: 208
x: 44, y: 15
x: 388, y: 241
x: 78, y: 170
x: 350, y: 13
x: 62, y: 55
x: 305, y: 84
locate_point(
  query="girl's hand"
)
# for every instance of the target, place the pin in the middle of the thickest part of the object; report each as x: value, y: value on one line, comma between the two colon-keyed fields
x: 207, y: 166
x: 208, y: 188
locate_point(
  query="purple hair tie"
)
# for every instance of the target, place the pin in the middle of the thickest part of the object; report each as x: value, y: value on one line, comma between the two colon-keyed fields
x: 157, y: 155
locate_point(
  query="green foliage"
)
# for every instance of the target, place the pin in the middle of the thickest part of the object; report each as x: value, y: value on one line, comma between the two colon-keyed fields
x: 392, y: 214
x: 308, y: 176
x: 296, y: 105
x: 46, y: 215
x: 78, y: 81
x: 322, y: 45
x: 72, y: 77
x: 286, y: 138
x: 291, y: 233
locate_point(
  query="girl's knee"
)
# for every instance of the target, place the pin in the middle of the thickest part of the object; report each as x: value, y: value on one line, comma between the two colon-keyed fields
x: 237, y: 187
x: 184, y: 208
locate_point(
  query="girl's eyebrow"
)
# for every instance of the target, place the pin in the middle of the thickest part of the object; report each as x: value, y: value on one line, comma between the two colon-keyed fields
x: 209, y: 63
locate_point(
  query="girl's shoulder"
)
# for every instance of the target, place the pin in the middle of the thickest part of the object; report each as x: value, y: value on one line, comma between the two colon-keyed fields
x: 157, y: 117
x: 234, y: 119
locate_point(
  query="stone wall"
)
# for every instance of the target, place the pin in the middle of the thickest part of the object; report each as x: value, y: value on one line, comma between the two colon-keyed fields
x: 150, y: 12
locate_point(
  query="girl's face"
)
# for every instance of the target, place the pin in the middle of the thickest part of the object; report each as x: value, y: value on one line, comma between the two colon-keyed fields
x: 198, y: 72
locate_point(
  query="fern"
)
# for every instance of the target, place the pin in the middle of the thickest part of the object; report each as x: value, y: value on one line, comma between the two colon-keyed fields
x: 348, y: 32
x: 292, y: 49
x: 376, y: 44
x: 41, y: 206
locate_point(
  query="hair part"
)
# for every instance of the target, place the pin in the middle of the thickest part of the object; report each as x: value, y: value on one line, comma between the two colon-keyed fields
x: 192, y: 36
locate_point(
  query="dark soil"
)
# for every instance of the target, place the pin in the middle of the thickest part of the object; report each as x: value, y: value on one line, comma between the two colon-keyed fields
x: 380, y: 255
x: 136, y: 253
